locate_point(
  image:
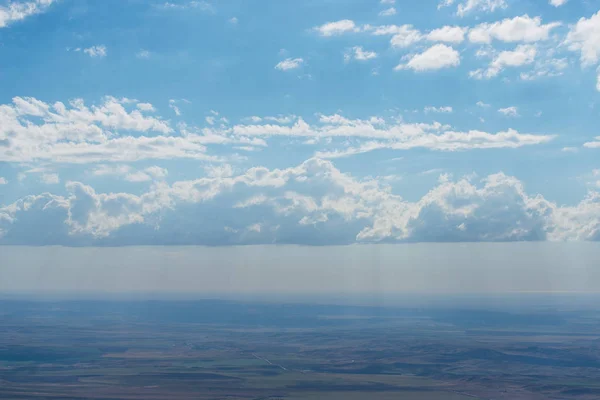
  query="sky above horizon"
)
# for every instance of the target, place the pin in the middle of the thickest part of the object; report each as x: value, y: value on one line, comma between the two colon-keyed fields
x: 130, y: 122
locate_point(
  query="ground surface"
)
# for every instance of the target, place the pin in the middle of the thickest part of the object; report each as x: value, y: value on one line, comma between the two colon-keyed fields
x: 250, y: 350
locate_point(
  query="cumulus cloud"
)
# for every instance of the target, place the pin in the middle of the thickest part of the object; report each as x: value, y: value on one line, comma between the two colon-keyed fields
x: 558, y: 3
x: 436, y: 57
x: 584, y: 37
x: 518, y: 29
x: 595, y: 144
x: 337, y: 28
x: 450, y: 34
x: 289, y: 63
x: 312, y: 203
x: 402, y: 35
x: 96, y: 51
x: 3, y: 181
x: 509, y: 111
x: 522, y: 55
x: 16, y: 11
x: 359, y: 54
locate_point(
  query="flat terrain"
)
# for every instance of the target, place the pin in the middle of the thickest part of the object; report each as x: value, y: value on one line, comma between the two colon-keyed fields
x: 208, y: 349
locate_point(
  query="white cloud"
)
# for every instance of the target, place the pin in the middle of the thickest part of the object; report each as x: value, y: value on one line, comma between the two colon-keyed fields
x: 436, y: 57
x: 359, y: 54
x: 387, y: 12
x: 482, y: 104
x: 558, y: 3
x: 447, y: 141
x: 96, y: 51
x: 387, y: 1
x: 173, y: 106
x: 546, y: 68
x: 522, y: 55
x: 337, y: 28
x: 233, y: 20
x: 145, y: 107
x: 584, y: 37
x: 19, y: 10
x: 3, y: 181
x: 289, y: 63
x: 445, y: 109
x: 517, y: 29
x: 598, y: 80
x: 32, y: 130
x: 595, y: 144
x: 312, y: 203
x: 570, y: 149
x: 49, y: 178
x: 449, y: 34
x: 509, y: 111
x: 480, y: 5
x: 402, y: 36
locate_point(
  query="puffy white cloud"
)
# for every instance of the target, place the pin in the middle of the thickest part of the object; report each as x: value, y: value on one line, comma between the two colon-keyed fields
x: 337, y: 28
x: 595, y: 144
x: 402, y: 35
x: 518, y: 29
x: 584, y: 37
x: 388, y: 12
x: 3, y: 181
x: 558, y: 3
x: 436, y: 57
x: 359, y: 54
x: 482, y: 104
x: 312, y: 203
x: 289, y: 63
x: 509, y: 111
x: 96, y: 51
x: 450, y: 34
x: 145, y: 107
x: 19, y: 10
x: 522, y: 55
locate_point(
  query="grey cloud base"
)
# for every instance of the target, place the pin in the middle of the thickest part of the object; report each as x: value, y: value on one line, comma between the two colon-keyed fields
x: 313, y: 204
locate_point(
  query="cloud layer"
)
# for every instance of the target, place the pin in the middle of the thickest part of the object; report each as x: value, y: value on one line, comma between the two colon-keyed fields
x: 312, y: 203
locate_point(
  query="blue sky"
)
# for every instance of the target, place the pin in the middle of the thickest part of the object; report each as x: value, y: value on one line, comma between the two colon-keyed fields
x: 313, y: 122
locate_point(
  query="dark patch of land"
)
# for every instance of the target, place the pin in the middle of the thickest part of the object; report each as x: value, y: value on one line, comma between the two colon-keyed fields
x: 211, y: 349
